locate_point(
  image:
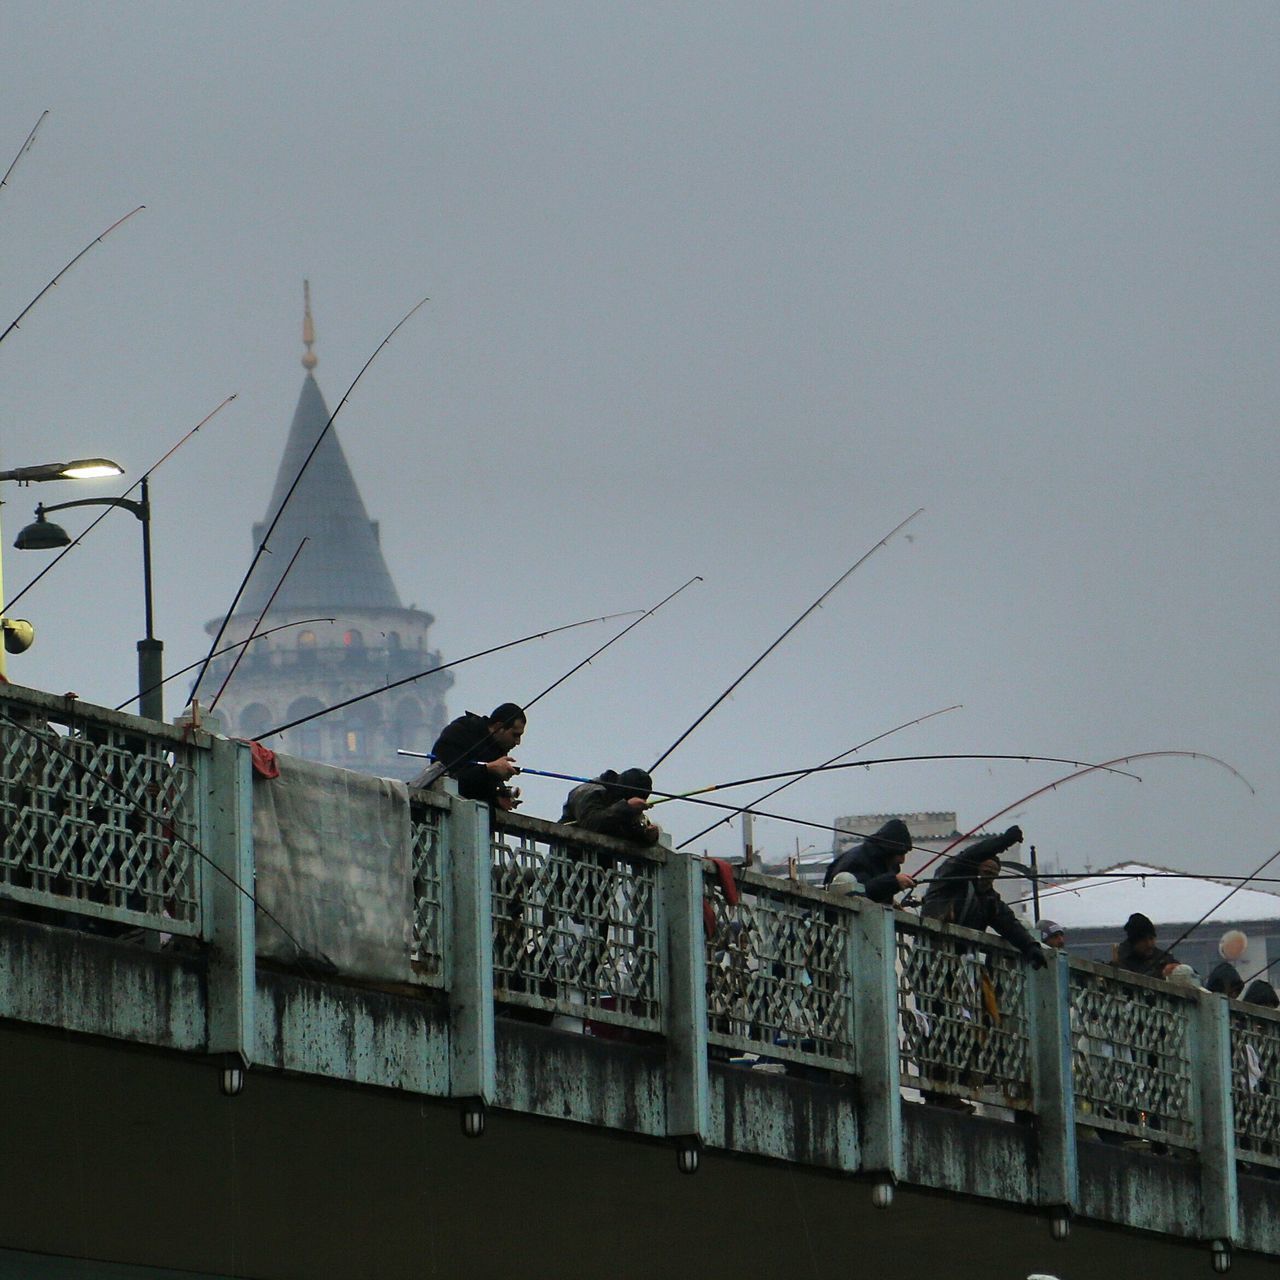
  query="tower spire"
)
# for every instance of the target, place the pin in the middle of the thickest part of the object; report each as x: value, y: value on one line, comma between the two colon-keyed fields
x: 308, y: 329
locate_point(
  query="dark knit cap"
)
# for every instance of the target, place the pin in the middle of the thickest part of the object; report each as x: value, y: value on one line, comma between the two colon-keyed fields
x: 635, y: 781
x: 1137, y: 927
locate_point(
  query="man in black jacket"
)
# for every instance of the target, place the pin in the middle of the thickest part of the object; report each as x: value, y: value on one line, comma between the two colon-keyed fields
x: 963, y: 893
x: 1138, y: 952
x: 876, y: 863
x: 613, y: 804
x: 473, y: 750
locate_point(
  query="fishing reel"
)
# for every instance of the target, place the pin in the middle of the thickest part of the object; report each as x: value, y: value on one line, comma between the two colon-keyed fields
x: 509, y: 797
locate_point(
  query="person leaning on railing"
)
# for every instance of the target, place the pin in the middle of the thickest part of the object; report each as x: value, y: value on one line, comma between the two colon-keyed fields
x: 964, y: 893
x: 613, y: 804
x: 473, y: 750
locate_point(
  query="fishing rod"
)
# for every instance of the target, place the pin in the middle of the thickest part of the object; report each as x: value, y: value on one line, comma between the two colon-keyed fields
x: 815, y: 605
x: 297, y: 479
x: 171, y: 832
x: 239, y: 644
x: 647, y: 614
x: 97, y: 520
x: 96, y: 240
x: 444, y: 666
x: 666, y: 795
x: 22, y: 150
x: 1108, y: 765
x: 867, y: 764
x: 213, y: 706
x: 906, y: 724
x: 1186, y: 933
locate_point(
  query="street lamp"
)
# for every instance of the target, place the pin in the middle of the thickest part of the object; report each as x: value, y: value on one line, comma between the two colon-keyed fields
x: 43, y: 535
x: 17, y: 633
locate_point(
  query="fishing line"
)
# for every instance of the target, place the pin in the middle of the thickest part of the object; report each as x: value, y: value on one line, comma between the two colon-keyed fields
x: 906, y: 724
x: 239, y: 644
x: 816, y: 604
x: 444, y: 666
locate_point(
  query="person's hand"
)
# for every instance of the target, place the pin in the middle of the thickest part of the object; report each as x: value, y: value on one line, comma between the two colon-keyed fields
x: 1014, y: 835
x: 905, y: 881
x: 638, y: 803
x: 1036, y: 959
x: 503, y: 767
x: 507, y: 799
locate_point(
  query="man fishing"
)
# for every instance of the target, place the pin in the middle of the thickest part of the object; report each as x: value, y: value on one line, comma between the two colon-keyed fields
x: 963, y: 893
x: 473, y: 750
x: 876, y: 862
x: 613, y: 804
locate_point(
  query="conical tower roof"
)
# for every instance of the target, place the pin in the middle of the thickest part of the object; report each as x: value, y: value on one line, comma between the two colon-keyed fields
x: 341, y: 567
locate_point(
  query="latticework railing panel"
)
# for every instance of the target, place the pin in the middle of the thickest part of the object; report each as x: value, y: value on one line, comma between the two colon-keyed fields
x: 778, y: 980
x: 1131, y: 1056
x: 427, y: 832
x: 963, y: 1025
x: 575, y: 927
x: 98, y: 819
x: 1255, y: 1085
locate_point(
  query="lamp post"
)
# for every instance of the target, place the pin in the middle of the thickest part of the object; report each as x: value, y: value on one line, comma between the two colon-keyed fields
x: 17, y: 634
x: 43, y: 535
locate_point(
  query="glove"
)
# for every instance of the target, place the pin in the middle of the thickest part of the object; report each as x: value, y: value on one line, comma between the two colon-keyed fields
x: 1036, y: 959
x: 1014, y: 835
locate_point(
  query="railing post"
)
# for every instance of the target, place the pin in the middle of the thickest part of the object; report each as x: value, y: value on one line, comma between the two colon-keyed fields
x: 684, y: 1005
x: 469, y: 934
x: 1215, y: 1118
x: 1052, y: 1086
x: 226, y: 840
x: 872, y: 962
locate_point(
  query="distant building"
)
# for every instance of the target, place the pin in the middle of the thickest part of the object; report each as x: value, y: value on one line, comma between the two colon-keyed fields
x: 340, y: 574
x: 1093, y: 911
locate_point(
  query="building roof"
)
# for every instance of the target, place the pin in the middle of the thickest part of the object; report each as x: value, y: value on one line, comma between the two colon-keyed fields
x: 341, y: 566
x: 1103, y: 902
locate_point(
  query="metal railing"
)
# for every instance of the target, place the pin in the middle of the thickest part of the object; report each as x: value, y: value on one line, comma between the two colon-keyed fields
x: 1131, y: 1054
x: 428, y: 827
x: 99, y: 814
x: 778, y: 973
x: 1255, y: 1083
x: 575, y: 923
x: 963, y: 1027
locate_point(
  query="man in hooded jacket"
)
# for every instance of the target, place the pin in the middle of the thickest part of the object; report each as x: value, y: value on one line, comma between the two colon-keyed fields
x: 613, y: 804
x: 876, y: 863
x: 963, y: 893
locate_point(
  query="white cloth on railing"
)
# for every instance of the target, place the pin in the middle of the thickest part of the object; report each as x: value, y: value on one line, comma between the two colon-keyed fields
x: 333, y: 861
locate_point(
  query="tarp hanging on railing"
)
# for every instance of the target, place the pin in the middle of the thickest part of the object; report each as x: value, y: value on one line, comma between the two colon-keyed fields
x: 332, y: 852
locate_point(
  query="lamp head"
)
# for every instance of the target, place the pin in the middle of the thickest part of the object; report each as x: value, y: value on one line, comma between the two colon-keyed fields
x: 42, y: 535
x: 18, y: 635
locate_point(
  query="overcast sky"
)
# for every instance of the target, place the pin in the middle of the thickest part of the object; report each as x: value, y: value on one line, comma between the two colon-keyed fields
x: 724, y: 289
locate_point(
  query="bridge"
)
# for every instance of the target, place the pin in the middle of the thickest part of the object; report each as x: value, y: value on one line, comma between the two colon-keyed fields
x: 325, y: 1025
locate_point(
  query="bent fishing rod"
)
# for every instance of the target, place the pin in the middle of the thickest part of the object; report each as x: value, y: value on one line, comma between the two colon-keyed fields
x: 106, y: 511
x: 815, y: 605
x: 906, y: 724
x: 239, y: 644
x: 1109, y: 766
x: 867, y: 764
x: 444, y: 666
x: 22, y: 150
x: 226, y: 680
x: 98, y: 239
x: 648, y: 613
x: 263, y: 547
